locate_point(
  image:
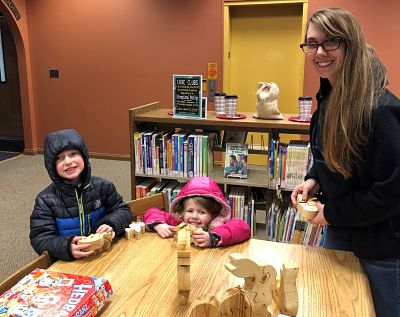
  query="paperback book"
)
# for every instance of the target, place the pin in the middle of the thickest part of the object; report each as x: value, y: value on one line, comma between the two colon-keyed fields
x: 236, y: 160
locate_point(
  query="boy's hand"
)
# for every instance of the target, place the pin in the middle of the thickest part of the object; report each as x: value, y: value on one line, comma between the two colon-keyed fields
x: 106, y: 228
x: 201, y: 238
x: 164, y: 230
x: 78, y: 250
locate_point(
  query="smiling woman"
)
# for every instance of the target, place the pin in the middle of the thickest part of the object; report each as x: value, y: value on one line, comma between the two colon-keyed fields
x: 355, y: 142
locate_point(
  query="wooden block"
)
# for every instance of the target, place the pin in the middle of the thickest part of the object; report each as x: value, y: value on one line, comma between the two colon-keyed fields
x: 308, y: 210
x: 183, y: 274
x: 129, y: 233
x: 235, y: 302
x: 183, y: 297
x: 185, y: 226
x: 205, y: 306
x: 183, y: 260
x: 135, y: 230
x: 95, y: 240
x: 183, y: 245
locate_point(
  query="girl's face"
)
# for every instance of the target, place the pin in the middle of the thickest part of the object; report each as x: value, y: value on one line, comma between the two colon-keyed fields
x: 326, y: 63
x: 195, y: 214
x: 69, y: 165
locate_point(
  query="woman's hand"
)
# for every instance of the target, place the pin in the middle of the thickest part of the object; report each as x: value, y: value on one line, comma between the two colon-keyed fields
x: 319, y: 219
x: 78, y: 250
x: 164, y: 230
x: 309, y: 188
x: 201, y: 238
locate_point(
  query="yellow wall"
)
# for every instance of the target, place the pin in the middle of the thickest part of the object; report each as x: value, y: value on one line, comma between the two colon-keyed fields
x: 262, y: 44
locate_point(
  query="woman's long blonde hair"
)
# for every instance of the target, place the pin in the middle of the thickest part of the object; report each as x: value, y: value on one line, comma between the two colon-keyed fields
x: 361, y: 80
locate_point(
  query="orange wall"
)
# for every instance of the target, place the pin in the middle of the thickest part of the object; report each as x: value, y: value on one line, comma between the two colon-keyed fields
x: 114, y: 55
x: 380, y: 23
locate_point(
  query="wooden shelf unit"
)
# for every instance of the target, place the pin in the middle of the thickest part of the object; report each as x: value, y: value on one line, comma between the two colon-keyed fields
x: 152, y: 115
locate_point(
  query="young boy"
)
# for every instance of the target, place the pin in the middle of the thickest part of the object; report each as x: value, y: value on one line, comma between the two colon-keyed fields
x: 76, y: 204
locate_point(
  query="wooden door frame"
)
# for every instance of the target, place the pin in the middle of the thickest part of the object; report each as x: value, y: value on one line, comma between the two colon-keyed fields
x: 19, y: 32
x: 227, y: 32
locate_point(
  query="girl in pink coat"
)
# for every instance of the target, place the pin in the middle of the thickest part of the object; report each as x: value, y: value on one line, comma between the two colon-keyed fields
x: 201, y: 204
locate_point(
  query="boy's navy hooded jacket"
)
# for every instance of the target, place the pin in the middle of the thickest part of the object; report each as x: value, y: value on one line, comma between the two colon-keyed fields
x: 61, y: 212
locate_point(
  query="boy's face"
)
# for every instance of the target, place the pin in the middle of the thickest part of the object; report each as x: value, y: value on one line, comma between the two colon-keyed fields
x: 69, y: 165
x: 195, y: 214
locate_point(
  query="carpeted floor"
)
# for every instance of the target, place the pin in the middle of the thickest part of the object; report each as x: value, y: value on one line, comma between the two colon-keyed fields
x: 21, y: 179
x: 6, y: 155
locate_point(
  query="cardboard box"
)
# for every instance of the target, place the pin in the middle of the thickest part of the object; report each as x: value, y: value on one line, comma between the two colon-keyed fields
x: 46, y: 293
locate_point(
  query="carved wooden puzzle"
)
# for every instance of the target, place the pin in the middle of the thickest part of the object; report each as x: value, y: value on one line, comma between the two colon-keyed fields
x: 97, y: 241
x: 308, y: 210
x: 260, y: 290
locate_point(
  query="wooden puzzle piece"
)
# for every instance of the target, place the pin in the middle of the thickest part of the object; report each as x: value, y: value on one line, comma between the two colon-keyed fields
x: 308, y: 210
x: 205, y: 306
x: 97, y: 241
x: 260, y: 293
x: 258, y: 279
x: 285, y: 295
x: 183, y: 245
x: 236, y: 302
x: 183, y: 267
x: 135, y: 230
x: 185, y: 226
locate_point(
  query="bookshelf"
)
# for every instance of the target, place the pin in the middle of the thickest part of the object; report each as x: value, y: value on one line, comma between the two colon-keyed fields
x: 150, y: 116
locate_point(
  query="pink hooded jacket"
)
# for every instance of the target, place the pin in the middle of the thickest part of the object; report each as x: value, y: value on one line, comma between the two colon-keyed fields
x: 230, y: 230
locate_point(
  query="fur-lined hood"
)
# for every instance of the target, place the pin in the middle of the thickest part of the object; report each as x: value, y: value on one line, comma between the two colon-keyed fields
x: 206, y: 187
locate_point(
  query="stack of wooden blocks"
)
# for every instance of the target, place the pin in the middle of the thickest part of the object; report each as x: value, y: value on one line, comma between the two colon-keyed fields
x: 183, y: 269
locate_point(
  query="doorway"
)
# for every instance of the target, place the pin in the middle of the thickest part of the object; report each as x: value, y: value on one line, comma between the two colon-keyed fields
x: 261, y: 44
x: 11, y: 125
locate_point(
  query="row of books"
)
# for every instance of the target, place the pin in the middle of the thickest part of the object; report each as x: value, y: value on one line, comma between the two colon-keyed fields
x: 181, y: 154
x: 151, y: 186
x: 288, y: 163
x: 285, y: 225
x: 242, y: 205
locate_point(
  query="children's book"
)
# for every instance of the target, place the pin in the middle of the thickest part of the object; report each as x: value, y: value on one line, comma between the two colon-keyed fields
x: 236, y: 160
x: 46, y: 293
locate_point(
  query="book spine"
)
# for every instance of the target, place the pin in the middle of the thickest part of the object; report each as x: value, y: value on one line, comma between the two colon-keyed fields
x: 190, y: 156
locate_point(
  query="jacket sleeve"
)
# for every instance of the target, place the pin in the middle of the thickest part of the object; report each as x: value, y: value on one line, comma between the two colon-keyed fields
x: 43, y: 233
x: 378, y: 199
x: 118, y: 215
x: 233, y: 231
x: 157, y: 215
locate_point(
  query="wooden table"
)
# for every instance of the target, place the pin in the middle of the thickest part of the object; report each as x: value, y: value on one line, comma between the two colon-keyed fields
x: 142, y: 274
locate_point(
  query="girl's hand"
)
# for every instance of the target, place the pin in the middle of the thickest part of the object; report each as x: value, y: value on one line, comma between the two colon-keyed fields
x: 164, y: 230
x: 106, y: 228
x: 309, y: 188
x: 201, y: 238
x: 78, y: 250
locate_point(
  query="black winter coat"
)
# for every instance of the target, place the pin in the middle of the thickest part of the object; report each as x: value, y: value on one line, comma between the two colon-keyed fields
x: 366, y: 206
x: 56, y: 217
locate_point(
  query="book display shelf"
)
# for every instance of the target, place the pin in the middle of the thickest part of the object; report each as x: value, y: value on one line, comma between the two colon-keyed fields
x: 152, y: 118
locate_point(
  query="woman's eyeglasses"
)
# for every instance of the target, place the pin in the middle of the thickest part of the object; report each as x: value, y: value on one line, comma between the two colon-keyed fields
x: 328, y: 45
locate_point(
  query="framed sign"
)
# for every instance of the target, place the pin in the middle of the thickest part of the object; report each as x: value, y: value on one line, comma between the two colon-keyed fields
x: 188, y: 96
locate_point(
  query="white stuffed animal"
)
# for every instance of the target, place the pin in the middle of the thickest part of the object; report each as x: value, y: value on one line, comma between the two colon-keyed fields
x: 267, y: 101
